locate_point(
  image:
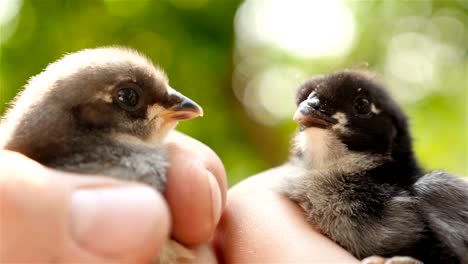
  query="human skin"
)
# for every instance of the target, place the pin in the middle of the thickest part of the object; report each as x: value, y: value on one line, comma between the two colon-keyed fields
x: 52, y: 216
x: 260, y: 225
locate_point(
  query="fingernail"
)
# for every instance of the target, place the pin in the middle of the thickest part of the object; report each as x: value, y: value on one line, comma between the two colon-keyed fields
x: 215, y: 197
x: 115, y: 221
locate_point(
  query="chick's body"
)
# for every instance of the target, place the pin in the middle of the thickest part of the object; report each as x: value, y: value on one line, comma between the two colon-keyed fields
x: 99, y: 111
x: 359, y: 181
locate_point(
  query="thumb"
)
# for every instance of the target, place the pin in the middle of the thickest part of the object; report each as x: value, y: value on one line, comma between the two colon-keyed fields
x: 51, y: 216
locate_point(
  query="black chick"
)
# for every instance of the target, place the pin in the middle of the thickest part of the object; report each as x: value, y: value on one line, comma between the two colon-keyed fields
x: 359, y: 181
x: 99, y: 111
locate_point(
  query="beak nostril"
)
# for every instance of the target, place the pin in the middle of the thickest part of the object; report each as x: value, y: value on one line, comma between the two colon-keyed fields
x: 314, y: 104
x: 187, y: 105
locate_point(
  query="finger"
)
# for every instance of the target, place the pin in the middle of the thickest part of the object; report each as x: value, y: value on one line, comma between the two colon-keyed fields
x: 195, y: 190
x: 184, y: 144
x: 260, y: 225
x: 50, y: 216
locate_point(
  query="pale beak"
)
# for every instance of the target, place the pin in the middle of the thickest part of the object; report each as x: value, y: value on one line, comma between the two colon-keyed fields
x: 298, y: 115
x: 182, y: 108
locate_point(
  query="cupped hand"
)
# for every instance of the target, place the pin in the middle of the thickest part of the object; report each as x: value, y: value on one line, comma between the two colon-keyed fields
x: 259, y: 225
x: 51, y: 216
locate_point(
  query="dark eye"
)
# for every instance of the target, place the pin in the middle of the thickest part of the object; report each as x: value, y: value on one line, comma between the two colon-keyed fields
x: 362, y: 105
x: 127, y: 97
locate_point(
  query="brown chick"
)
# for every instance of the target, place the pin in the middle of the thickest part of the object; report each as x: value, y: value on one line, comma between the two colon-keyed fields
x: 100, y: 111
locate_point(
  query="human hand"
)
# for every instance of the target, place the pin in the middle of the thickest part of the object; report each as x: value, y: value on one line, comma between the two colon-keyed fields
x: 260, y: 225
x: 52, y: 216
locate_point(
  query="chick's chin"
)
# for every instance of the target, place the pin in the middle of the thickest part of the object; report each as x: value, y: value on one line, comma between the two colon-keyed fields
x: 174, y: 252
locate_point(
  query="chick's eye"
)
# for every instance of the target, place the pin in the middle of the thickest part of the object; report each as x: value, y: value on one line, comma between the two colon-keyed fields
x: 362, y: 105
x: 127, y: 97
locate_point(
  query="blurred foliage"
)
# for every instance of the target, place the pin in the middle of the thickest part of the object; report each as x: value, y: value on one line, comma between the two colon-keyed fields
x: 194, y: 41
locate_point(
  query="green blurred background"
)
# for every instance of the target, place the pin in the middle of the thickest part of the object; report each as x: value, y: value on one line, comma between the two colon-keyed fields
x: 242, y: 61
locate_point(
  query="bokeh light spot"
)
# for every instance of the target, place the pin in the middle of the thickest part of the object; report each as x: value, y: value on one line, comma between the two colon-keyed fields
x: 309, y: 29
x: 269, y: 97
x: 411, y: 58
x: 8, y: 10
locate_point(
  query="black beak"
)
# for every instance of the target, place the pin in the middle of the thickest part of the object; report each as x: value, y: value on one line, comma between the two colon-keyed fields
x: 308, y: 114
x: 182, y: 107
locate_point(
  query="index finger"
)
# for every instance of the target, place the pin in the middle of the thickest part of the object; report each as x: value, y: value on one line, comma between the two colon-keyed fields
x: 196, y: 189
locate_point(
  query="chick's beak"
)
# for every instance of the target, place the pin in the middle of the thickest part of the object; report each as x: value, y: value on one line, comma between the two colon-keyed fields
x: 182, y: 107
x: 308, y: 114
